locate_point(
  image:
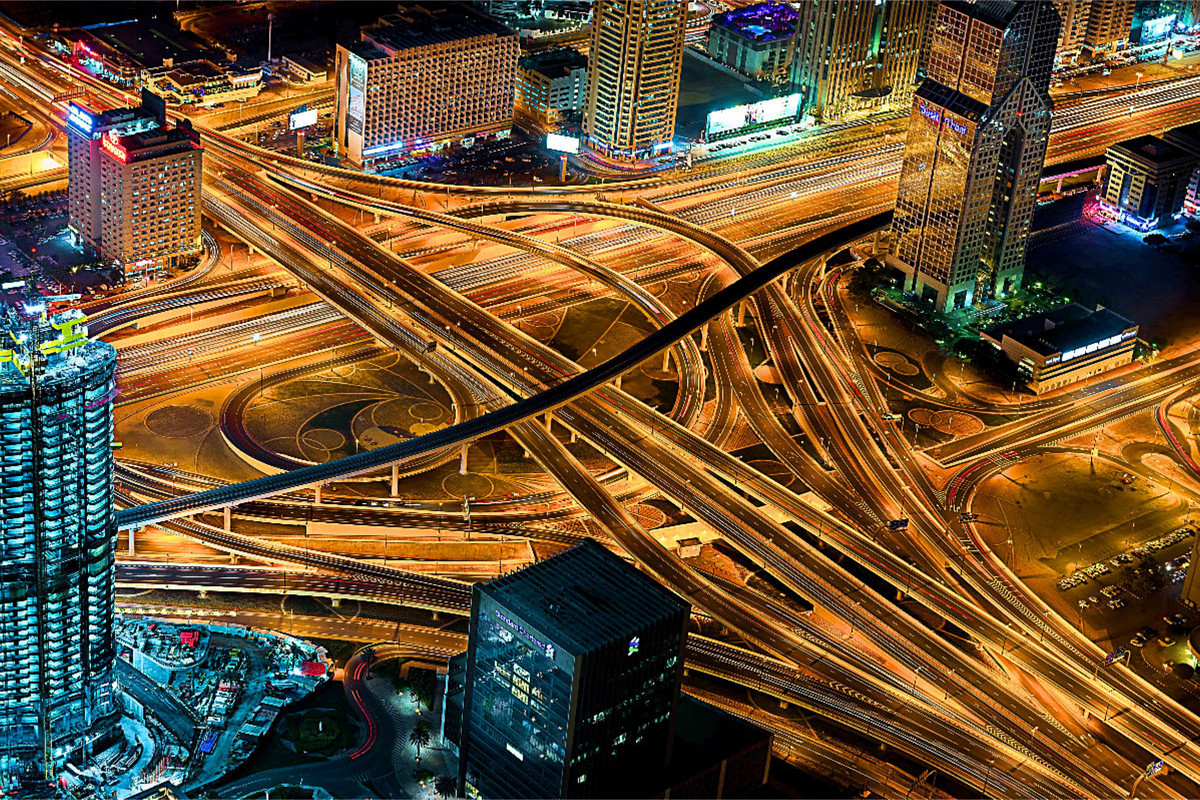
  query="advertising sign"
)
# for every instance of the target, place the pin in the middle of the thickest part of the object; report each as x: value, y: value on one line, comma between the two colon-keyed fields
x: 302, y: 118
x: 562, y: 144
x: 726, y: 121
x: 356, y: 99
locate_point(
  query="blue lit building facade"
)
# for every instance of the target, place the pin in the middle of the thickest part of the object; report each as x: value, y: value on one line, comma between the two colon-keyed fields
x: 757, y: 41
x: 573, y: 674
x: 57, y: 549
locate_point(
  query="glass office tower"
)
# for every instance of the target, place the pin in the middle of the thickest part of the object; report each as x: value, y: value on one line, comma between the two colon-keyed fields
x: 573, y: 673
x: 976, y: 146
x: 56, y: 552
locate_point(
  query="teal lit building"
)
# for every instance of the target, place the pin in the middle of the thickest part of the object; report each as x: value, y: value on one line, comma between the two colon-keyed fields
x: 56, y: 551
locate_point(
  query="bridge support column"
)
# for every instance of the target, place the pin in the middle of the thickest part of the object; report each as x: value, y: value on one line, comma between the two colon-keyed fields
x: 741, y: 318
x: 376, y: 217
x: 228, y: 514
x: 203, y: 594
x: 1058, y: 187
x: 462, y: 461
x: 132, y: 536
x: 666, y: 360
x: 877, y: 245
x: 395, y: 480
x: 824, y: 264
x: 549, y: 422
x: 617, y: 383
x: 704, y: 339
x: 336, y: 602
x: 435, y: 616
x: 783, y: 703
x: 574, y: 438
x: 317, y: 494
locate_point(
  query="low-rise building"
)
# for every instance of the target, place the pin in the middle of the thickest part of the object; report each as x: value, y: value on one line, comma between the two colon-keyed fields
x: 757, y: 41
x: 203, y: 83
x: 305, y: 69
x: 421, y: 78
x: 1065, y: 345
x: 1148, y: 181
x: 551, y: 84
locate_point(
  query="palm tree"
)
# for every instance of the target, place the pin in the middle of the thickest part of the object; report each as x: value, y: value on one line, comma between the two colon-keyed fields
x: 419, y: 738
x: 446, y: 787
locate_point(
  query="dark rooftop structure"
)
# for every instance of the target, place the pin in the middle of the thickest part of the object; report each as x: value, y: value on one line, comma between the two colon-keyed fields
x: 420, y: 26
x: 951, y: 100
x: 714, y: 753
x: 586, y: 595
x: 765, y: 22
x: 557, y: 62
x: 1151, y: 149
x: 152, y: 43
x: 1063, y: 329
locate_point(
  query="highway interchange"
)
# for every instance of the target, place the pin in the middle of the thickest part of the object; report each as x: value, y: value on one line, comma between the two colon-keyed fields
x: 744, y: 223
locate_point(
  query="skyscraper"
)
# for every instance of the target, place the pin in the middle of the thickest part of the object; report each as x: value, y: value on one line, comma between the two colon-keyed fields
x: 858, y: 55
x: 56, y: 553
x: 573, y: 674
x: 633, y: 76
x: 976, y: 146
x: 133, y: 191
x: 1093, y: 24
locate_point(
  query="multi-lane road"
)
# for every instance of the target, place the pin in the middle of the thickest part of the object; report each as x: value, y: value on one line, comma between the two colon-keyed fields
x: 858, y: 660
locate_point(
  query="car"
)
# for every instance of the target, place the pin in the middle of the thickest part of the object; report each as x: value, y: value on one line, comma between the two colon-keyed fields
x: 1138, y: 640
x: 1093, y: 599
x: 1116, y: 603
x: 889, y: 417
x: 1085, y: 603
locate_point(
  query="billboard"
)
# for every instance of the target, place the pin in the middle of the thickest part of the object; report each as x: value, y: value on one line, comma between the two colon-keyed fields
x: 563, y: 144
x: 302, y: 118
x: 727, y: 121
x: 356, y: 98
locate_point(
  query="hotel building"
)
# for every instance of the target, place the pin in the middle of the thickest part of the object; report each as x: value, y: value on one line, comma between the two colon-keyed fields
x: 421, y: 78
x: 133, y: 192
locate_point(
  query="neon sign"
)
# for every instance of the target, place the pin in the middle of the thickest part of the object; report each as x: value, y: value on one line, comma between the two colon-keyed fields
x: 930, y: 113
x: 957, y: 127
x: 115, y: 150
x: 80, y: 119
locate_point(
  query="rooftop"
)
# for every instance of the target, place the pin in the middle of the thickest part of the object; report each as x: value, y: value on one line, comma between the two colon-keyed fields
x: 156, y: 142
x: 764, y: 22
x: 421, y: 26
x: 1063, y: 329
x: 952, y: 100
x: 150, y: 43
x: 584, y: 598
x: 1150, y: 149
x: 557, y: 62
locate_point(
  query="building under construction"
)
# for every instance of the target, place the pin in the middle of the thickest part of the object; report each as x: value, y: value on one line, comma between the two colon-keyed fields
x: 56, y: 565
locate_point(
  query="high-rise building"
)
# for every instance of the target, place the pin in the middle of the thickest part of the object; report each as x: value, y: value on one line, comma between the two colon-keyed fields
x: 421, y: 78
x: 1093, y: 25
x: 757, y: 41
x: 550, y: 86
x: 56, y: 552
x: 573, y: 674
x: 633, y: 76
x: 976, y: 146
x: 134, y: 186
x: 858, y: 55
